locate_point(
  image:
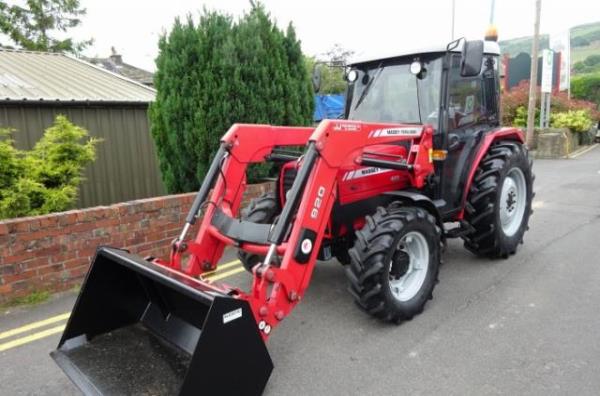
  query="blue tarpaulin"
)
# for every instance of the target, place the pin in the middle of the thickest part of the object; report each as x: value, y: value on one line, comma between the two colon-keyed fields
x: 328, y: 106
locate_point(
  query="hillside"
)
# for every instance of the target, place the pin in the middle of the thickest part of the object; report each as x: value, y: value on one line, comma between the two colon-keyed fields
x: 585, y: 41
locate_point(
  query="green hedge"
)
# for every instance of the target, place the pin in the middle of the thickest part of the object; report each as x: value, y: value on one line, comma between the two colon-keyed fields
x: 586, y: 86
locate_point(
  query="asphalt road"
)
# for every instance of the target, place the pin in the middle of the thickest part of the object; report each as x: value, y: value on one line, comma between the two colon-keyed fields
x: 526, y: 325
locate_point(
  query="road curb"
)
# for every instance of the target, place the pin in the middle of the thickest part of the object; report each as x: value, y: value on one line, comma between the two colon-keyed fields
x: 583, y: 150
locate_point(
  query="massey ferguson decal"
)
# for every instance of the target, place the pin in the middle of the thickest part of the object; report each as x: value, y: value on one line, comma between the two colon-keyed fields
x: 414, y: 132
x: 364, y: 172
x: 346, y: 127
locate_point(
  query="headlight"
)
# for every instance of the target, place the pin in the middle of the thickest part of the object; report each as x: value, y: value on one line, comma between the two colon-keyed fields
x: 352, y: 75
x: 416, y: 67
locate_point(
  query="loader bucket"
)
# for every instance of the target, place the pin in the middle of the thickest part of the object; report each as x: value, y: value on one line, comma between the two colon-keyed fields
x: 138, y: 328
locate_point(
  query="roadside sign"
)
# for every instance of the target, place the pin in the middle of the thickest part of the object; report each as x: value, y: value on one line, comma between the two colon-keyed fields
x: 561, y: 42
x: 547, y: 69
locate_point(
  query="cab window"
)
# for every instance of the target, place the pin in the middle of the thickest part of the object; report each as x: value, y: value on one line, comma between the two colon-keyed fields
x: 472, y: 100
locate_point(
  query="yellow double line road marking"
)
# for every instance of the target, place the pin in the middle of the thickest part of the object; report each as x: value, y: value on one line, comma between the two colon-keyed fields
x: 224, y: 271
x: 221, y: 267
x: 32, y: 337
x: 221, y: 274
x: 226, y: 274
x: 34, y: 325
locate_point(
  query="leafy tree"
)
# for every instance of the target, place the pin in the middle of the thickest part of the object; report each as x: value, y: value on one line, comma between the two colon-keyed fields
x: 338, y: 55
x: 332, y: 71
x: 37, y: 24
x: 219, y: 72
x: 46, y: 178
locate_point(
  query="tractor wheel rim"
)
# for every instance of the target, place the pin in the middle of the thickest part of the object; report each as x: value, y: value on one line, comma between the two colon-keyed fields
x: 407, y: 286
x: 513, y: 200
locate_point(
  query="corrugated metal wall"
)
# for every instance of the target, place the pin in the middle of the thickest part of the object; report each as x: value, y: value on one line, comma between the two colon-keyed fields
x: 126, y: 167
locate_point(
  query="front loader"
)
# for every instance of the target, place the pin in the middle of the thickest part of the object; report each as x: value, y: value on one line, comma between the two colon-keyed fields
x: 377, y: 189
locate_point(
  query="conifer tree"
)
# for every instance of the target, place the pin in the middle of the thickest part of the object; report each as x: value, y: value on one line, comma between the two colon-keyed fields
x: 216, y: 73
x: 41, y: 25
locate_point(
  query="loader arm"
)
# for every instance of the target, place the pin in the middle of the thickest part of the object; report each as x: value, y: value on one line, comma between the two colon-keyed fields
x: 298, y: 233
x: 244, y: 144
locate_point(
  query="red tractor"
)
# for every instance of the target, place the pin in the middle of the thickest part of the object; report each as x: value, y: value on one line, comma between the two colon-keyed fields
x: 418, y: 158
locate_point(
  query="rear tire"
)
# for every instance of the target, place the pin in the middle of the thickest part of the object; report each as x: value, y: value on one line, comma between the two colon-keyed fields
x: 261, y: 210
x: 499, y: 201
x: 395, y: 262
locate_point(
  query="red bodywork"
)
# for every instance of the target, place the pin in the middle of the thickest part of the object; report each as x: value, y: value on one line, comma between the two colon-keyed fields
x: 341, y: 145
x: 356, y: 183
x: 336, y: 176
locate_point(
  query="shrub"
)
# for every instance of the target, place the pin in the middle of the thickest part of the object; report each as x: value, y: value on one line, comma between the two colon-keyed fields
x: 513, y: 99
x: 586, y: 87
x: 46, y: 178
x: 518, y: 97
x: 10, y: 164
x: 521, y: 117
x: 576, y: 121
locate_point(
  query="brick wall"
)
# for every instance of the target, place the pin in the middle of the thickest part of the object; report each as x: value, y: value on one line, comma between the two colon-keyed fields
x: 53, y: 252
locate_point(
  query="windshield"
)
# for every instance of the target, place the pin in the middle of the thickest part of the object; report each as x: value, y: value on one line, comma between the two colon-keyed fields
x: 391, y: 93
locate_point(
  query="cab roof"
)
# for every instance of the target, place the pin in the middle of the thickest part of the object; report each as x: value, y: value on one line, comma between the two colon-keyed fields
x: 489, y: 47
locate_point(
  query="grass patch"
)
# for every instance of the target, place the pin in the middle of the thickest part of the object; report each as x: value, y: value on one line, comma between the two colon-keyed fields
x: 33, y: 298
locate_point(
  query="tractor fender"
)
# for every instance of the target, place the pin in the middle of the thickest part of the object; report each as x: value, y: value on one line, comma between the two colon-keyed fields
x: 506, y: 133
x: 420, y: 200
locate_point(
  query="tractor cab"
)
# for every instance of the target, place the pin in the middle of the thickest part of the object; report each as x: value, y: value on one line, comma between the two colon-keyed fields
x: 460, y: 82
x: 455, y: 90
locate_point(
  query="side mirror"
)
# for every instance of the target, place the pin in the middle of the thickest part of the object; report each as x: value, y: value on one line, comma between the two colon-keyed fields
x: 472, y: 58
x: 316, y: 78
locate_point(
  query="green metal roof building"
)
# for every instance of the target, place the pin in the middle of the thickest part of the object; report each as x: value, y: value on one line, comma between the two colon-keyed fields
x: 36, y: 86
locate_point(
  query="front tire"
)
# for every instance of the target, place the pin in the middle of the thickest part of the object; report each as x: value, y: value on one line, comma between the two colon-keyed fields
x: 261, y: 210
x: 395, y: 262
x: 499, y: 201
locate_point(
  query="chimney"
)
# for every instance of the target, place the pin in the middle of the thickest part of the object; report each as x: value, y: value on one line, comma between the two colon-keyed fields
x: 115, y: 57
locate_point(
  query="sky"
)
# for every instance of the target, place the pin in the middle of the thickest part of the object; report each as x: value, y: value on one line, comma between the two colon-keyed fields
x: 366, y: 27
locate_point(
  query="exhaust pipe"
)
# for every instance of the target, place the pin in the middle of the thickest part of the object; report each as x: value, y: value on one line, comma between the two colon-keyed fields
x: 138, y: 328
